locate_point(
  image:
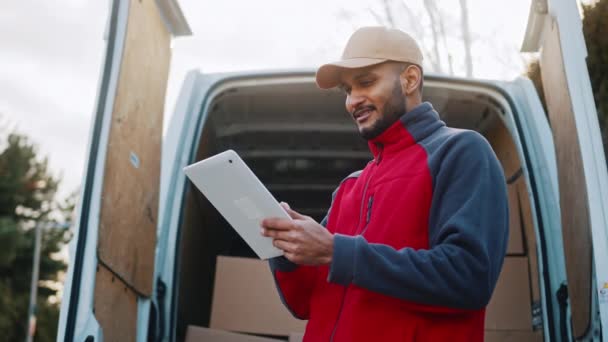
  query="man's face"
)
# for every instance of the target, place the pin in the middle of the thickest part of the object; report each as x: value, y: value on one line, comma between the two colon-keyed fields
x: 374, y: 97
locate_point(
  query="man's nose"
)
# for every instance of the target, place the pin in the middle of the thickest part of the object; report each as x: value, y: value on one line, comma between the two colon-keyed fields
x: 353, y: 101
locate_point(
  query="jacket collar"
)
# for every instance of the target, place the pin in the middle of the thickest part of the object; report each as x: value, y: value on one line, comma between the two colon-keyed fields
x: 412, y: 127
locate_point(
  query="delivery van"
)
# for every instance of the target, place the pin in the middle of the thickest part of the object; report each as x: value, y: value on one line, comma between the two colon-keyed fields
x: 152, y: 260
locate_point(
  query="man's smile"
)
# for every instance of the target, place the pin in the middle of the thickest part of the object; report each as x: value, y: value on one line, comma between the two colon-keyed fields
x: 362, y: 114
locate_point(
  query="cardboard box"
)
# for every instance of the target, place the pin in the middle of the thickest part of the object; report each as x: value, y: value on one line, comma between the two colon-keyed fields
x: 200, y: 334
x: 513, y: 336
x: 510, y: 307
x: 245, y: 299
x: 296, y: 337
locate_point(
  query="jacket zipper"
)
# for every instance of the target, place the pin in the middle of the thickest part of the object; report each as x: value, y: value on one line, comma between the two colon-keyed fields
x: 380, y: 150
x: 333, y: 332
x: 377, y: 162
x: 367, y: 219
x: 369, y: 213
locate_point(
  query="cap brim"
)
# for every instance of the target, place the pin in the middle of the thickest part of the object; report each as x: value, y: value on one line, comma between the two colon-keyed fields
x: 328, y: 75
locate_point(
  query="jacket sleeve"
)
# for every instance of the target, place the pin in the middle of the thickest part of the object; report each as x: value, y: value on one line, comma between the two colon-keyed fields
x: 468, y: 234
x: 295, y: 282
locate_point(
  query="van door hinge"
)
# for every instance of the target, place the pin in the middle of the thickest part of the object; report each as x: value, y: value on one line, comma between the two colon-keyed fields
x: 562, y: 299
x: 156, y: 328
x: 537, y: 316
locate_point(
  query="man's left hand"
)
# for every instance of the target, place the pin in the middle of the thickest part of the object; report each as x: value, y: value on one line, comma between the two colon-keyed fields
x: 304, y: 241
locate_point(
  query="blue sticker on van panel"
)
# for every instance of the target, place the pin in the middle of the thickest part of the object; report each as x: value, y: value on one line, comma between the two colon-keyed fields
x: 134, y: 160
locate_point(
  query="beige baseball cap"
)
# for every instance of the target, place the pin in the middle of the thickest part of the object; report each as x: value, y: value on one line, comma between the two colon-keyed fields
x: 369, y: 46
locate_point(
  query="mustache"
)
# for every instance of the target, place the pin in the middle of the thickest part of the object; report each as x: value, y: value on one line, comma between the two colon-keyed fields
x: 355, y: 113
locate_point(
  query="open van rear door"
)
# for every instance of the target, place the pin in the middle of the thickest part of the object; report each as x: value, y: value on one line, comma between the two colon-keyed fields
x: 112, y: 264
x: 555, y: 29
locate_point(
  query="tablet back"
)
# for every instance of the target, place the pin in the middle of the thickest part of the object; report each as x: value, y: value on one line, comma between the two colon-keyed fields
x: 235, y: 191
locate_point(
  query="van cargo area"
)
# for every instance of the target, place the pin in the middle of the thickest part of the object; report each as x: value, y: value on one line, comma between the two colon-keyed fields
x: 301, y: 143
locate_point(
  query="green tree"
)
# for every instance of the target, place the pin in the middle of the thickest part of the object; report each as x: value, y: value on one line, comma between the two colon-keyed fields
x: 27, y: 198
x: 595, y: 31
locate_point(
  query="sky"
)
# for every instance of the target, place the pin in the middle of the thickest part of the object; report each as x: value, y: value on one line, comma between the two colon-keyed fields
x: 51, y: 53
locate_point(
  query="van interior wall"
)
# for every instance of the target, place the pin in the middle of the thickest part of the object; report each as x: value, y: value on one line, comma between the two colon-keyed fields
x: 204, y: 236
x: 301, y: 144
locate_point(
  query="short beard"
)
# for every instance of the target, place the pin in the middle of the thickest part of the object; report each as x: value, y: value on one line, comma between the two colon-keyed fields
x: 393, y: 109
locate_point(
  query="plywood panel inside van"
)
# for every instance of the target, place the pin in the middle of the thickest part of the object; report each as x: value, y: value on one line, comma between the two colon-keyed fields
x: 527, y: 221
x: 502, y: 144
x: 504, y: 147
x: 522, y: 242
x: 516, y: 243
x: 128, y: 218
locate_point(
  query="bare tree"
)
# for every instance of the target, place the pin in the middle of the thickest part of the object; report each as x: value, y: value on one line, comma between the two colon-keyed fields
x: 397, y: 8
x: 418, y: 30
x: 439, y: 20
x: 436, y: 57
x: 389, y: 13
x: 397, y: 14
x: 466, y: 37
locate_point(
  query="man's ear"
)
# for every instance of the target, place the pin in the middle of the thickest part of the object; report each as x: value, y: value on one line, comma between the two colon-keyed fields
x: 410, y: 79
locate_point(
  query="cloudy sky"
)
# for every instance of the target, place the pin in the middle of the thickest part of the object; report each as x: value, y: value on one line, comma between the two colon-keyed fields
x: 51, y: 53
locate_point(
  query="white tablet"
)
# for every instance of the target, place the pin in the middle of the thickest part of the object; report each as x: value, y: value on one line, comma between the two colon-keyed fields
x: 236, y: 192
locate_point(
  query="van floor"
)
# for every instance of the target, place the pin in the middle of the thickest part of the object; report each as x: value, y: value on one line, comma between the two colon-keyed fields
x: 304, y: 157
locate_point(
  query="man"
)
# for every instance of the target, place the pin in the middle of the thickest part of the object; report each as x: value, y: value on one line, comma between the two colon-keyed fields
x: 412, y: 245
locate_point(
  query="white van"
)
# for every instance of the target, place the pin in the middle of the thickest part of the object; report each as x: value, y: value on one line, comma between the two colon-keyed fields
x: 143, y: 257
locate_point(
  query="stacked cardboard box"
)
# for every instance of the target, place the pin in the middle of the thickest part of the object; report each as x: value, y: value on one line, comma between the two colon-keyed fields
x: 509, y: 314
x: 199, y: 334
x: 245, y: 301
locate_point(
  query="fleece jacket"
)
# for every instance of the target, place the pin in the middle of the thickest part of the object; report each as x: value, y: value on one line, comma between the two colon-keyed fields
x: 420, y: 237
